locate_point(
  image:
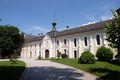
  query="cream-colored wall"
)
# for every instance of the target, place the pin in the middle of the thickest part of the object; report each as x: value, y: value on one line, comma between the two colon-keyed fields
x: 50, y: 44
x: 30, y: 52
x: 92, y: 45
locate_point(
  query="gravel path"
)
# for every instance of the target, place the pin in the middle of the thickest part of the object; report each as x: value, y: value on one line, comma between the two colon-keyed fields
x: 47, y: 70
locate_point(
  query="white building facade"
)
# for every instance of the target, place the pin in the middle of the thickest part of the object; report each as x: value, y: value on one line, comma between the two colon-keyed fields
x: 70, y: 41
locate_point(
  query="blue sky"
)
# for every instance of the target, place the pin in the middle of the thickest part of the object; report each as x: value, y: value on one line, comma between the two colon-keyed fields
x: 36, y: 16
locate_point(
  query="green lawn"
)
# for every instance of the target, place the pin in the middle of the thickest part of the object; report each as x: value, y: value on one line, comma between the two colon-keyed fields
x: 10, y: 71
x: 106, y: 71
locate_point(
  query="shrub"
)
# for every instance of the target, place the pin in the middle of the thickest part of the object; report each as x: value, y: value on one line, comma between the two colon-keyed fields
x: 104, y: 54
x: 39, y: 57
x: 58, y: 55
x: 64, y: 56
x: 87, y: 58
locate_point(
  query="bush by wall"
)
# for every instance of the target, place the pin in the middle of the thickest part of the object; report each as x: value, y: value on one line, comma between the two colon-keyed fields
x: 87, y: 58
x: 104, y: 54
x: 64, y: 56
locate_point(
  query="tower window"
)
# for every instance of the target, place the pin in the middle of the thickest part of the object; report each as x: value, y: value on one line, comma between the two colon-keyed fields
x: 64, y: 41
x: 98, y: 39
x: 75, y: 42
x: 85, y: 41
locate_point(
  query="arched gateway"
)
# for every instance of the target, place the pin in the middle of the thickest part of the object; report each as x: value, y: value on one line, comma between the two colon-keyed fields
x: 47, y: 53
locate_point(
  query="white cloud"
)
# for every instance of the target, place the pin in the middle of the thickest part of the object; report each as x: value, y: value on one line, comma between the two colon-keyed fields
x: 36, y: 30
x: 105, y: 17
x: 88, y: 23
x: 40, y: 28
x: 91, y: 18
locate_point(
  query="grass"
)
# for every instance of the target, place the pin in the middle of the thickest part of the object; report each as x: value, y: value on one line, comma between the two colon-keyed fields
x: 10, y: 70
x: 105, y: 70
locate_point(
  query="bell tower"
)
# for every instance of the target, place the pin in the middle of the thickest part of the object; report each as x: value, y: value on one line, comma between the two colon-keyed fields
x: 54, y: 24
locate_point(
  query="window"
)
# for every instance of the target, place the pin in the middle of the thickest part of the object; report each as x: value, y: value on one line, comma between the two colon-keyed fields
x: 57, y: 51
x: 65, y: 51
x: 75, y: 54
x: 64, y: 41
x: 27, y: 46
x: 85, y: 41
x: 39, y: 45
x: 35, y: 53
x: 57, y: 43
x: 31, y: 46
x: 75, y: 42
x: 98, y: 39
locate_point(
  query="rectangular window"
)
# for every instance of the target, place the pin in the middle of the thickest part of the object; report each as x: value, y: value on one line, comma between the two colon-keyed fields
x: 64, y: 41
x: 57, y: 43
x: 65, y: 51
x: 75, y: 54
x: 39, y: 45
x: 85, y: 41
x: 35, y: 45
x: 98, y: 39
x: 75, y: 42
x: 31, y: 46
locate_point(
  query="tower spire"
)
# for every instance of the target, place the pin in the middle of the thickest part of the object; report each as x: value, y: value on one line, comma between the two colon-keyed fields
x: 54, y: 24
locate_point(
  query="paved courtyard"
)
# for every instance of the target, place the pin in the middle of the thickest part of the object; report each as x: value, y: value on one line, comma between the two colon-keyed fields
x: 47, y: 70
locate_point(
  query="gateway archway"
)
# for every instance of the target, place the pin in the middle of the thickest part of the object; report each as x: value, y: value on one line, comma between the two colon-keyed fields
x: 47, y: 53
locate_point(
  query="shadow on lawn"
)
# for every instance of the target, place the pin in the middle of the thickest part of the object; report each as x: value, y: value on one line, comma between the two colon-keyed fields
x: 11, y: 72
x: 110, y: 75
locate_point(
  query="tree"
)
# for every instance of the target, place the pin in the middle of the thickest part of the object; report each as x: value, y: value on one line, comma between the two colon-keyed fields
x: 113, y: 32
x: 10, y: 40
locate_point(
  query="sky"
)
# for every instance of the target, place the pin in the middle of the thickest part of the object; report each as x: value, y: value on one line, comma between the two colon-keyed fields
x: 36, y: 16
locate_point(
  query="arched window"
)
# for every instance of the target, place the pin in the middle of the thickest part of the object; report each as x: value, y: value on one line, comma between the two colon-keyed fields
x: 98, y: 39
x: 85, y: 41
